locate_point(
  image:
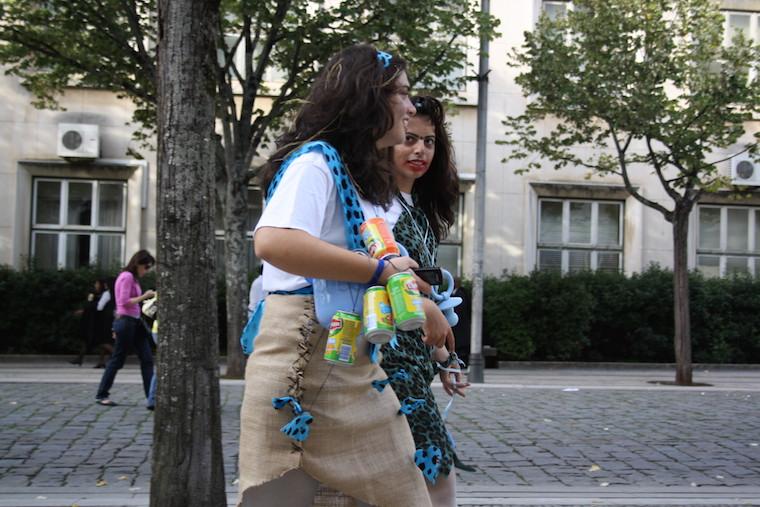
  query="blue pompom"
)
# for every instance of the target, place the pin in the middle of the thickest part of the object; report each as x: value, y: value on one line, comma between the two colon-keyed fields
x: 298, y: 428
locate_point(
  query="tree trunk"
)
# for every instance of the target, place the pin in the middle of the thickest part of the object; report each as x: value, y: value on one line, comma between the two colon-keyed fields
x: 235, y: 269
x: 187, y: 447
x: 682, y: 338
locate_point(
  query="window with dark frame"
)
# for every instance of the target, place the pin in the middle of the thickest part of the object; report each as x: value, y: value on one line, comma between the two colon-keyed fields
x: 78, y: 223
x: 728, y: 240
x: 577, y: 235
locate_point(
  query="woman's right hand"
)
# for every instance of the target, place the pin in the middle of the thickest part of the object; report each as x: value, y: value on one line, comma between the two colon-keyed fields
x: 150, y: 293
x: 396, y: 265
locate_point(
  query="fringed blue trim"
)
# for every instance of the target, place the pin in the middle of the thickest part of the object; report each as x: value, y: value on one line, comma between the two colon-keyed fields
x: 410, y: 405
x: 394, y: 342
x: 429, y: 461
x: 298, y: 427
x: 380, y: 384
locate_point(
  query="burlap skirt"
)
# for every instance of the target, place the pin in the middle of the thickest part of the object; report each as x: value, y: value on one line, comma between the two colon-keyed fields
x: 359, y: 444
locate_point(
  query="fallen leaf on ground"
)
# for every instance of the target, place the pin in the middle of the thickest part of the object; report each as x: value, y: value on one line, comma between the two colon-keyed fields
x: 594, y: 468
x: 101, y: 482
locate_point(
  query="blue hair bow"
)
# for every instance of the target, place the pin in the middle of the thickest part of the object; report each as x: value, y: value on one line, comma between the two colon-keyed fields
x: 384, y: 58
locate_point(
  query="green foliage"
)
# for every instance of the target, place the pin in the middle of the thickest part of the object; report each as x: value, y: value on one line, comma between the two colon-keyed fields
x: 522, y: 316
x: 111, y: 44
x: 588, y: 316
x: 723, y: 328
x: 39, y: 309
x: 107, y: 44
x: 598, y: 316
x: 644, y: 82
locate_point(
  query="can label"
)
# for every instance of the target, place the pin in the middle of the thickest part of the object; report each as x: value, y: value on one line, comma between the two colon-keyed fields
x: 378, y: 238
x: 378, y: 316
x: 345, y: 329
x: 406, y: 302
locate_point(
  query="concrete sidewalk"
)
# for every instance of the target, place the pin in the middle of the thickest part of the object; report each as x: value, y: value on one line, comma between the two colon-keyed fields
x: 56, y: 369
x: 538, y: 435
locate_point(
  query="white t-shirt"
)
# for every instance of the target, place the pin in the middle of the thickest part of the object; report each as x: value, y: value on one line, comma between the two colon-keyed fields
x: 105, y: 297
x: 255, y: 294
x: 306, y: 199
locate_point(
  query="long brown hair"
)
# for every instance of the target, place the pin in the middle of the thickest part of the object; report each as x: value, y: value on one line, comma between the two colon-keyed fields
x: 436, y: 192
x: 349, y: 107
x: 141, y: 257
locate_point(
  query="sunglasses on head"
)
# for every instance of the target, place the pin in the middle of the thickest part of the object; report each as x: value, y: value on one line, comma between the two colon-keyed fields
x: 427, y: 106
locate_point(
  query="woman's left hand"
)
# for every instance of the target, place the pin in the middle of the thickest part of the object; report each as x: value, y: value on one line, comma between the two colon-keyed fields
x: 453, y: 383
x: 436, y: 329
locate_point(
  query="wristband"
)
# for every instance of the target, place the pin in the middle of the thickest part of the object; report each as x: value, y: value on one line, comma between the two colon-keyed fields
x: 378, y: 271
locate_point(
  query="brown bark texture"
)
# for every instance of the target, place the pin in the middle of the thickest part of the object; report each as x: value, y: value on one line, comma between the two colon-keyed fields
x: 236, y: 275
x: 682, y: 338
x: 187, y: 452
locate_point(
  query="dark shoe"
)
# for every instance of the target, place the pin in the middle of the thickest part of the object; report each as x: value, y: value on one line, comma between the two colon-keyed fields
x: 106, y: 403
x: 461, y: 466
x: 100, y: 365
x: 151, y: 407
x: 77, y: 362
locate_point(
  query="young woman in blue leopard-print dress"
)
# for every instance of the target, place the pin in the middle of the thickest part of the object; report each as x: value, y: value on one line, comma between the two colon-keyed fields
x: 426, y: 177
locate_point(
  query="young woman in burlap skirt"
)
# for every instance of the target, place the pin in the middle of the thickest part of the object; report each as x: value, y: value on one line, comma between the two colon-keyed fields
x: 305, y: 420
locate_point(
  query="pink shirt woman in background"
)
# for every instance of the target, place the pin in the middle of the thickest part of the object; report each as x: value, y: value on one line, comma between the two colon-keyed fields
x: 129, y: 332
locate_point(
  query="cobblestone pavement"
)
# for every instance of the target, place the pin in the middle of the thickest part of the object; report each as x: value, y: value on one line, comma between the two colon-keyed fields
x: 536, y: 442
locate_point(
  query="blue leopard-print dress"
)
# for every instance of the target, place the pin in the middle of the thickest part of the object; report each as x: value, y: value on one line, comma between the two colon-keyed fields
x: 413, y: 356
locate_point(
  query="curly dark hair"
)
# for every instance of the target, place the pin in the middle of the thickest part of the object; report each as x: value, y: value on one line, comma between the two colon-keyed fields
x: 348, y: 106
x: 437, y: 191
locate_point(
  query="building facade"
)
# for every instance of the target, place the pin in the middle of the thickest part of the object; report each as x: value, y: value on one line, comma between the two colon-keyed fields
x: 72, y: 196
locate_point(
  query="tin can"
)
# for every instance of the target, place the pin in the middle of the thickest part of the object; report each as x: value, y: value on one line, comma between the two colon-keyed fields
x: 378, y: 239
x: 342, y: 339
x: 406, y: 302
x: 378, y: 316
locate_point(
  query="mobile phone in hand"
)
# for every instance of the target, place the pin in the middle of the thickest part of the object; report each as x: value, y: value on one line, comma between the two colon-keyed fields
x: 432, y: 275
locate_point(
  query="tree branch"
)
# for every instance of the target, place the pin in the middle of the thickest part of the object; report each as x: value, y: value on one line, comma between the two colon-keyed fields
x: 658, y: 169
x: 629, y: 186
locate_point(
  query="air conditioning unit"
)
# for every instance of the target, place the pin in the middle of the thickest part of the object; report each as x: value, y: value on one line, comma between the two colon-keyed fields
x: 78, y: 141
x: 745, y: 171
